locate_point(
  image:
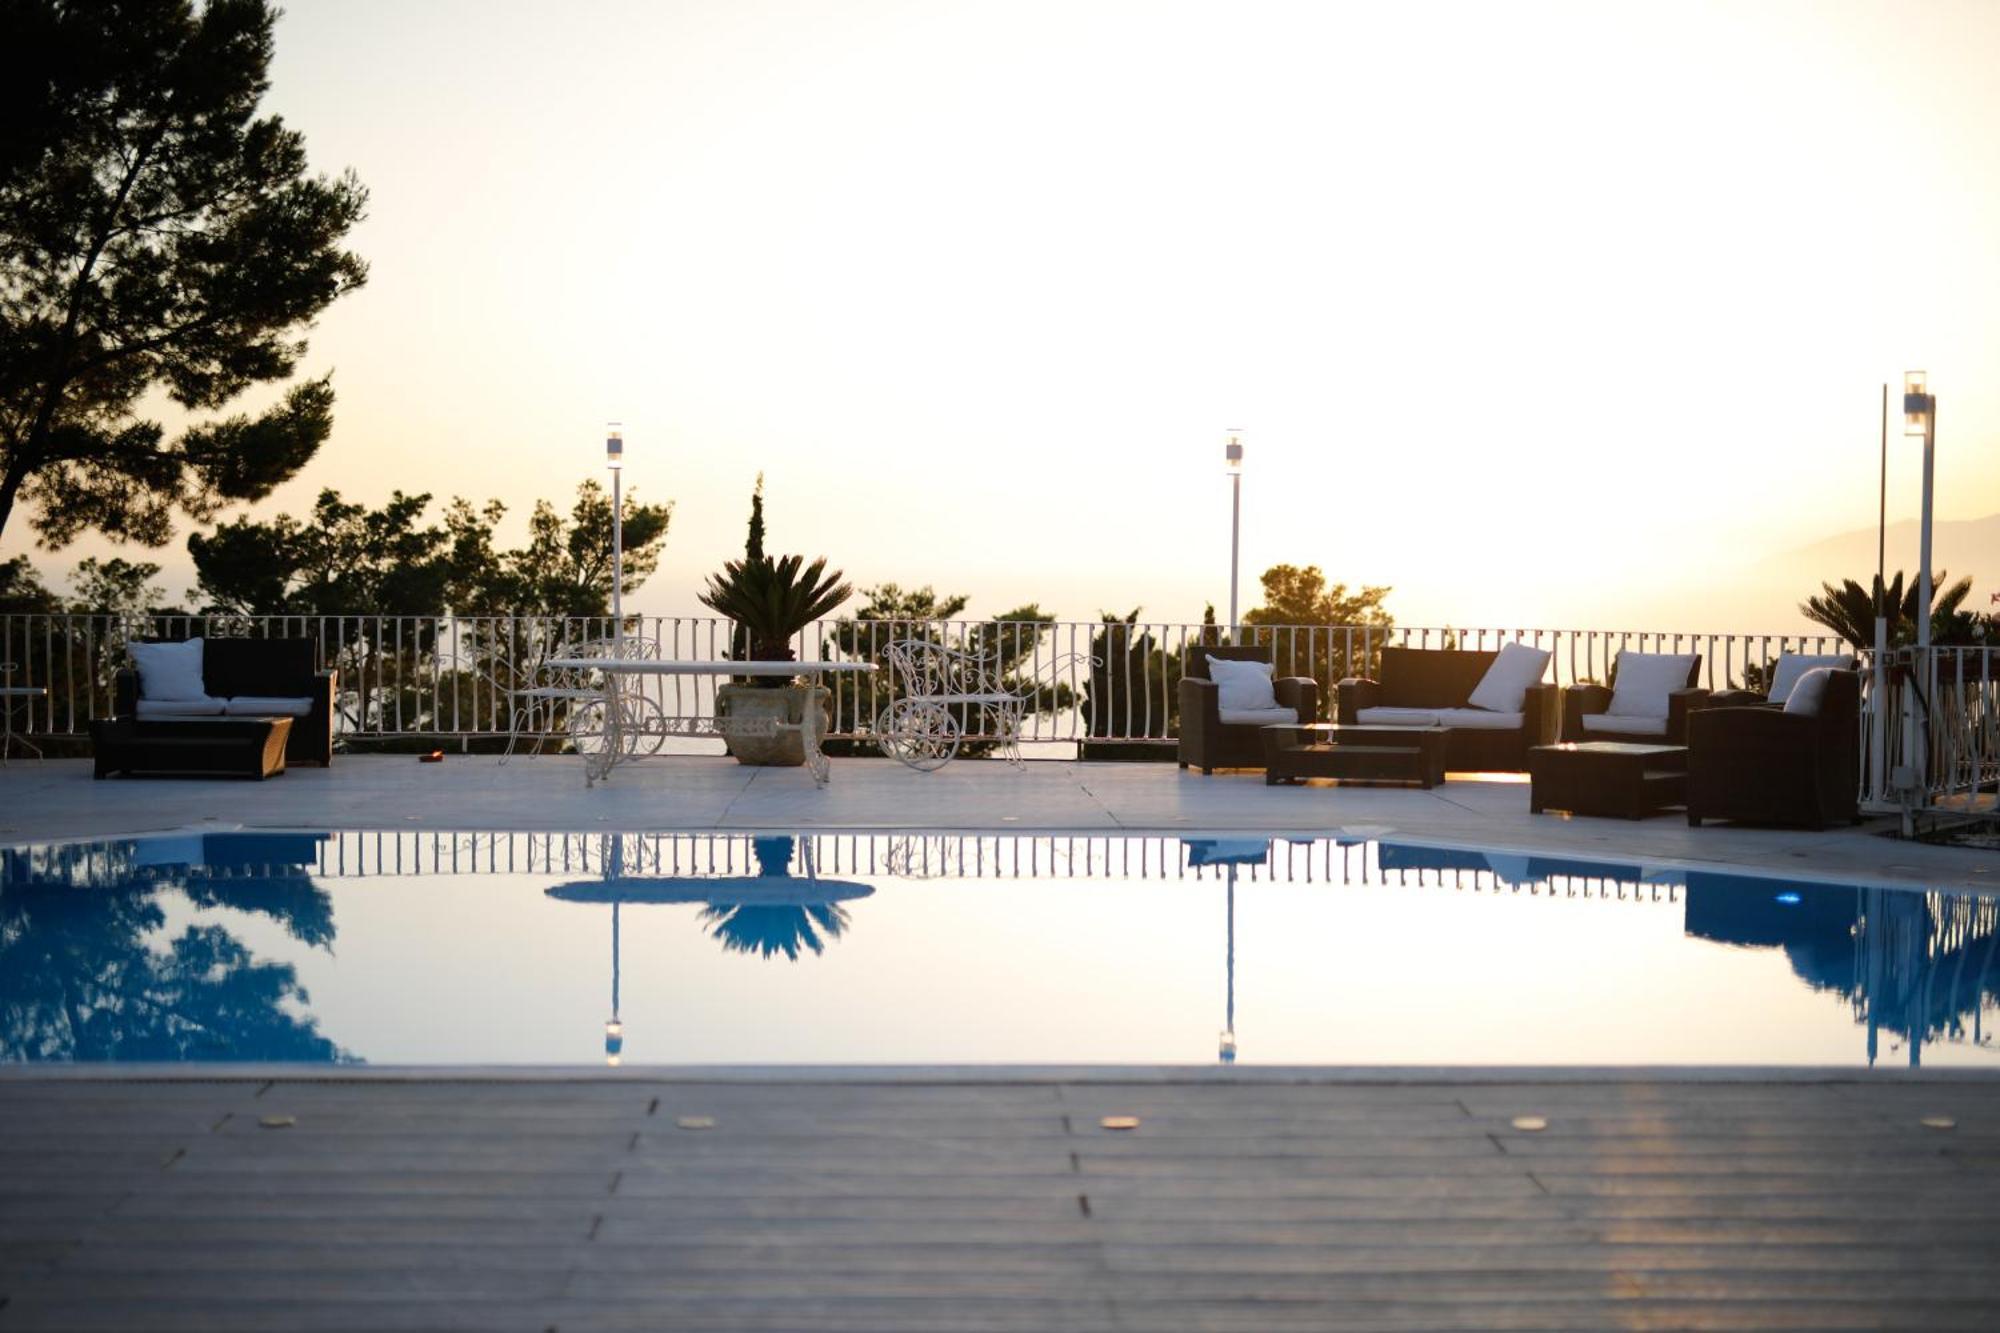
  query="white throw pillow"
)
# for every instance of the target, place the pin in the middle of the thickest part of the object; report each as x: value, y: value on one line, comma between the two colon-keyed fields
x: 1242, y: 685
x: 1504, y: 687
x: 1791, y: 666
x: 1645, y: 680
x: 1809, y: 692
x: 169, y: 670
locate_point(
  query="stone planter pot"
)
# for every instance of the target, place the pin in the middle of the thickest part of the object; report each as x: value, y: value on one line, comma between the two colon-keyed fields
x: 783, y: 749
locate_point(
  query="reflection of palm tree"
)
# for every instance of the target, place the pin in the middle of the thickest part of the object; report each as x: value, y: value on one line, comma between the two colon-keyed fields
x: 81, y: 980
x: 768, y: 929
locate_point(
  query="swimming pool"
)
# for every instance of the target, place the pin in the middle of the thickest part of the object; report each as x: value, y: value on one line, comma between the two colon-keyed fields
x: 402, y: 948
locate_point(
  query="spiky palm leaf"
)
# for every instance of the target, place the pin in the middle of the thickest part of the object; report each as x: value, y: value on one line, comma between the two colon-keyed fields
x: 774, y: 599
x: 1849, y: 610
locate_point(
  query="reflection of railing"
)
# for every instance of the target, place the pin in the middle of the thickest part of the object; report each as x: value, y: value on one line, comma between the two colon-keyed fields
x: 980, y: 856
x: 1926, y: 968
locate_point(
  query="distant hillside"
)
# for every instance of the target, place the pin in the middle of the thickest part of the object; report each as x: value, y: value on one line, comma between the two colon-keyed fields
x: 1959, y: 547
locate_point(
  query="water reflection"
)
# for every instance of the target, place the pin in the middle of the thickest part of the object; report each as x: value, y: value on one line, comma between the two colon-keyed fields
x: 769, y: 913
x: 766, y: 914
x: 88, y: 970
x: 164, y: 949
x: 1916, y: 967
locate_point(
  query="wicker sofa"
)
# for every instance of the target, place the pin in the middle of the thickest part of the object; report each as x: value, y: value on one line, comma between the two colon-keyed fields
x: 243, y: 677
x: 1800, y: 764
x: 1433, y: 687
x: 1208, y: 740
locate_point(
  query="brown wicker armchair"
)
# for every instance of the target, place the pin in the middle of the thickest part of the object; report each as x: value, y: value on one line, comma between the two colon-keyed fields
x: 1770, y: 766
x: 1209, y: 743
x: 1587, y: 715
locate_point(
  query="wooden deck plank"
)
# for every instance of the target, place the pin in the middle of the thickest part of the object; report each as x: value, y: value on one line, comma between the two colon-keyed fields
x: 1002, y: 1206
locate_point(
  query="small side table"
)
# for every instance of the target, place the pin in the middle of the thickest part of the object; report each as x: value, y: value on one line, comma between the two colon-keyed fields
x: 1607, y: 778
x: 1353, y: 753
x: 9, y: 692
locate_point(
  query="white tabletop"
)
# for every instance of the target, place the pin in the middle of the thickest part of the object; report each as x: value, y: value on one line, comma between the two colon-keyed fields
x: 644, y: 666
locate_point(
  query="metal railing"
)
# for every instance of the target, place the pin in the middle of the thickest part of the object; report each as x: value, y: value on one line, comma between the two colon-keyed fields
x: 453, y: 678
x: 1933, y: 743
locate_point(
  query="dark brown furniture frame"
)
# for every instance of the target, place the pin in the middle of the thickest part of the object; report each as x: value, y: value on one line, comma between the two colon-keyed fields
x: 1446, y: 678
x: 1767, y: 766
x: 1363, y: 754
x: 260, y: 668
x: 244, y: 747
x: 1581, y: 699
x: 1618, y: 778
x: 1205, y: 740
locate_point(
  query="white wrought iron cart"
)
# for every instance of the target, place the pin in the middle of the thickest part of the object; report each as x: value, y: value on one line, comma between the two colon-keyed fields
x: 941, y: 693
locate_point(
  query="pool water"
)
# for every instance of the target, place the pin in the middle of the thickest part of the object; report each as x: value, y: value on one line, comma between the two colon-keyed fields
x: 701, y: 949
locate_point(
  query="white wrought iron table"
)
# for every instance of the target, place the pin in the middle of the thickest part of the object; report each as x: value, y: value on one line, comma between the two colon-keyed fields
x: 597, y: 766
x: 8, y: 694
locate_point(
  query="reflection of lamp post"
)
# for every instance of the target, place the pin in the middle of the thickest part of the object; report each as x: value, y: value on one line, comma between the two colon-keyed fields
x: 1233, y: 456
x: 1226, y: 1047
x: 614, y: 458
x: 614, y: 864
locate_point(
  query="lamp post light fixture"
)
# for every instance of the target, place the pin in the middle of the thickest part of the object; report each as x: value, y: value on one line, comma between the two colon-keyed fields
x: 614, y: 458
x: 1233, y: 458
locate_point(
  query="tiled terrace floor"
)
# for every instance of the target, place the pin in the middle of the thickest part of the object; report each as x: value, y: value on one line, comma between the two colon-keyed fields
x: 986, y: 1199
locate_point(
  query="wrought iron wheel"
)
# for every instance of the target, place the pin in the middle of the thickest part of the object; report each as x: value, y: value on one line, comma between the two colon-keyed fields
x: 920, y: 733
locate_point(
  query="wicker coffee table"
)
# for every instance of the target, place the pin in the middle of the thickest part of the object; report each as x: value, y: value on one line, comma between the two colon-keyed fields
x: 244, y: 747
x: 1607, y: 778
x: 1353, y: 754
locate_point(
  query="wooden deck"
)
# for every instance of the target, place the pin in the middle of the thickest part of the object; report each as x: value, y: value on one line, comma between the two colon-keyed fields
x: 1252, y: 1204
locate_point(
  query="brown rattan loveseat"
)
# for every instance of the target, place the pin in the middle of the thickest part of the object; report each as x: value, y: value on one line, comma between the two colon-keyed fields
x: 1431, y: 687
x: 280, y: 676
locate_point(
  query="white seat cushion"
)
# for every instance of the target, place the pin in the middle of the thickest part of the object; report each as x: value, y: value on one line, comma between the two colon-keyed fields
x: 202, y: 707
x: 1791, y: 666
x: 1396, y: 717
x: 1809, y: 692
x: 1262, y: 717
x: 1645, y: 680
x: 1504, y: 687
x: 1628, y: 725
x: 250, y: 705
x: 169, y: 670
x: 1242, y: 685
x: 1479, y: 719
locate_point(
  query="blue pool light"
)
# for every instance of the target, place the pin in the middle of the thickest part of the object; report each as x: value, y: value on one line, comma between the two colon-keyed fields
x: 1790, y: 899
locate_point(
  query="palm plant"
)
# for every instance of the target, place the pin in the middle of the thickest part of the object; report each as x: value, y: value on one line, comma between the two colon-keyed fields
x: 1849, y: 609
x: 772, y: 600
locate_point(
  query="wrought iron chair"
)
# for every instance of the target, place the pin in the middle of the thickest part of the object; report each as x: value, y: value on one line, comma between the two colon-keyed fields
x: 940, y: 694
x: 573, y: 704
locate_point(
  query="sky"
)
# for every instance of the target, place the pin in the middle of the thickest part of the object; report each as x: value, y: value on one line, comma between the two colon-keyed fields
x: 1545, y: 315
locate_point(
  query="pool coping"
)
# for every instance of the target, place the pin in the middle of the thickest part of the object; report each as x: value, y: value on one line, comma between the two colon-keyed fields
x: 999, y: 1074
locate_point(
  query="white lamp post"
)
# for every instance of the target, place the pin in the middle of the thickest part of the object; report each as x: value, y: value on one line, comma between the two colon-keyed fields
x: 1233, y: 457
x: 614, y: 458
x: 1920, y: 419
